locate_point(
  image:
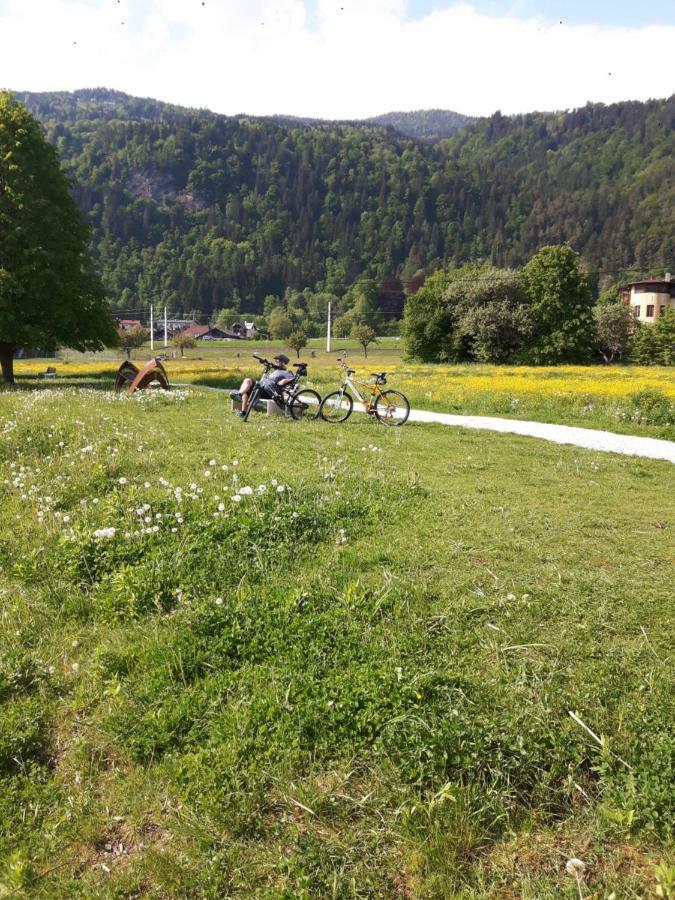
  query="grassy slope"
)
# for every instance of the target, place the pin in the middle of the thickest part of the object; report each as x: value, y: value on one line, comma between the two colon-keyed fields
x: 378, y: 711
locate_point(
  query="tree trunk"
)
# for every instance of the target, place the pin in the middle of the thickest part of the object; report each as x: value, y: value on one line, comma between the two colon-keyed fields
x: 365, y: 350
x: 128, y: 350
x: 7, y: 352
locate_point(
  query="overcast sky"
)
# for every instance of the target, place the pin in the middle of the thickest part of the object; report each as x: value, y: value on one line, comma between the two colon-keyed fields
x: 343, y: 58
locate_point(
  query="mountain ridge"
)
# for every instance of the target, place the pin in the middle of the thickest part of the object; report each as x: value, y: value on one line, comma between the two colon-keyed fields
x: 207, y: 210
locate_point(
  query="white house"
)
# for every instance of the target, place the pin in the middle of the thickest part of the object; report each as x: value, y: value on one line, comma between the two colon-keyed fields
x: 650, y: 298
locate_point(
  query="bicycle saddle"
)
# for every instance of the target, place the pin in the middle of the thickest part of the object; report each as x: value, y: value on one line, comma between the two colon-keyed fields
x: 378, y: 374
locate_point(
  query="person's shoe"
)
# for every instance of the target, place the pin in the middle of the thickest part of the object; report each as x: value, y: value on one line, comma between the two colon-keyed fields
x: 235, y: 395
x: 241, y: 414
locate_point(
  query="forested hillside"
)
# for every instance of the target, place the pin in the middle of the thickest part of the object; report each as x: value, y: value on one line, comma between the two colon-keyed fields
x: 202, y: 211
x: 425, y: 124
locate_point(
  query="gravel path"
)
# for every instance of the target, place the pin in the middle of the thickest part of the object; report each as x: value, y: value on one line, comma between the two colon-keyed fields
x: 559, y: 434
x: 589, y: 438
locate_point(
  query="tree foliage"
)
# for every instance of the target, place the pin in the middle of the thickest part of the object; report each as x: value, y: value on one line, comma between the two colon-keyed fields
x: 614, y: 327
x: 561, y: 304
x: 296, y: 341
x: 655, y: 344
x: 49, y: 294
x: 132, y: 339
x: 280, y: 324
x: 472, y: 313
x: 184, y: 341
x: 364, y: 335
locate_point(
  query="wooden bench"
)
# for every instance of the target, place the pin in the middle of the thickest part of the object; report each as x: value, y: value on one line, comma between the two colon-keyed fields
x: 267, y: 406
x: 49, y: 373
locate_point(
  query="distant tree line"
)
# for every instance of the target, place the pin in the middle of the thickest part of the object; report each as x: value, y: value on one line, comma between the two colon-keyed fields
x: 542, y: 314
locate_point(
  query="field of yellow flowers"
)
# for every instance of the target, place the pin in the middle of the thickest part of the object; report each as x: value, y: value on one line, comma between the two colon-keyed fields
x: 635, y: 399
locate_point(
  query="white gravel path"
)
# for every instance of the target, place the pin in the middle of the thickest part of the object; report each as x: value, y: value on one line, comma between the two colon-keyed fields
x: 589, y: 438
x: 559, y: 434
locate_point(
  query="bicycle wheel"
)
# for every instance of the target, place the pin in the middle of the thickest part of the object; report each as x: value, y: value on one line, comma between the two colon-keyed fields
x: 336, y: 407
x: 392, y: 408
x: 252, y: 400
x: 305, y: 404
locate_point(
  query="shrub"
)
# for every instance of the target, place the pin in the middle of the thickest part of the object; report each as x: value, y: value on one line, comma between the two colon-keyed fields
x: 650, y: 407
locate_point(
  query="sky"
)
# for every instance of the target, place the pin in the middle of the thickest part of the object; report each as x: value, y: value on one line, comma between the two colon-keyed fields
x: 344, y: 58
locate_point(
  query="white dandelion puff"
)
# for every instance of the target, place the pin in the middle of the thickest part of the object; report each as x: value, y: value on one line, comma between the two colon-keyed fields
x: 575, y: 866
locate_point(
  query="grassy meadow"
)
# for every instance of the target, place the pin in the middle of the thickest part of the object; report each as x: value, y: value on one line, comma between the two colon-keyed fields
x: 628, y: 399
x: 289, y: 659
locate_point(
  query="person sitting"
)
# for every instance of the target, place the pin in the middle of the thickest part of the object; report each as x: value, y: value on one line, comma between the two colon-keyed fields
x: 271, y: 383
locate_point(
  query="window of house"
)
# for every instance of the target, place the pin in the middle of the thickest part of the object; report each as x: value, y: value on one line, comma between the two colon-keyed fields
x: 650, y: 311
x: 651, y: 288
x: 636, y: 312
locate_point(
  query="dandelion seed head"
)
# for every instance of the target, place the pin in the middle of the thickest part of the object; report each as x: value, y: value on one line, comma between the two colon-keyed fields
x: 575, y: 867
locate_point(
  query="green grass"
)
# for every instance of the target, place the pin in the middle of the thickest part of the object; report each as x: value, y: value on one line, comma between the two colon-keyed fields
x: 378, y: 707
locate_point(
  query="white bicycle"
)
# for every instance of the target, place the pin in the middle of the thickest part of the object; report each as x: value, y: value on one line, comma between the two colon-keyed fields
x: 388, y: 407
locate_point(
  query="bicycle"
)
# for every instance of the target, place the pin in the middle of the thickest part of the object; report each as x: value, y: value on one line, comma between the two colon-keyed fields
x: 388, y: 407
x: 301, y: 403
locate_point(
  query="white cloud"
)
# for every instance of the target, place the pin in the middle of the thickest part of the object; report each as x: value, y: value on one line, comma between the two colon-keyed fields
x: 362, y: 58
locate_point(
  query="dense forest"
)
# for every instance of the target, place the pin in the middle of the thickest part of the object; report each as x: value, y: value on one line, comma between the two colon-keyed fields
x: 425, y: 124
x: 201, y: 211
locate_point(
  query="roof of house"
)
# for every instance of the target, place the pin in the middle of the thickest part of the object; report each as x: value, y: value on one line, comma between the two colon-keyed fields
x: 197, y: 330
x: 645, y: 281
x: 122, y: 322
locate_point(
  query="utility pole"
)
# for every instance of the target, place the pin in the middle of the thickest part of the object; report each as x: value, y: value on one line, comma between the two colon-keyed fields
x: 328, y: 332
x: 166, y: 330
x: 152, y: 330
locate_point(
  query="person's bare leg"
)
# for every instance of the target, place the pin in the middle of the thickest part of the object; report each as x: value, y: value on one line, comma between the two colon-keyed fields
x: 245, y: 390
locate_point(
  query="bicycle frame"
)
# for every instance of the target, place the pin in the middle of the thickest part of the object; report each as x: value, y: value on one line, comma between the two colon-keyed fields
x: 375, y: 390
x: 388, y: 406
x: 282, y: 396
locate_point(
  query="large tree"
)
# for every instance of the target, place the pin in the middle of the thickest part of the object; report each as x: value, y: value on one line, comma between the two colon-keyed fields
x: 562, y: 307
x: 472, y: 313
x: 428, y: 322
x: 49, y: 294
x: 614, y: 327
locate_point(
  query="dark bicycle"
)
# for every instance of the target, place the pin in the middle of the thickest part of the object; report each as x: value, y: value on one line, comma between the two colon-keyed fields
x: 301, y: 403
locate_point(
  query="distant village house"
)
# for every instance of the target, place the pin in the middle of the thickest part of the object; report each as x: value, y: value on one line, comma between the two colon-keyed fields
x: 211, y: 333
x: 245, y: 329
x: 649, y: 299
